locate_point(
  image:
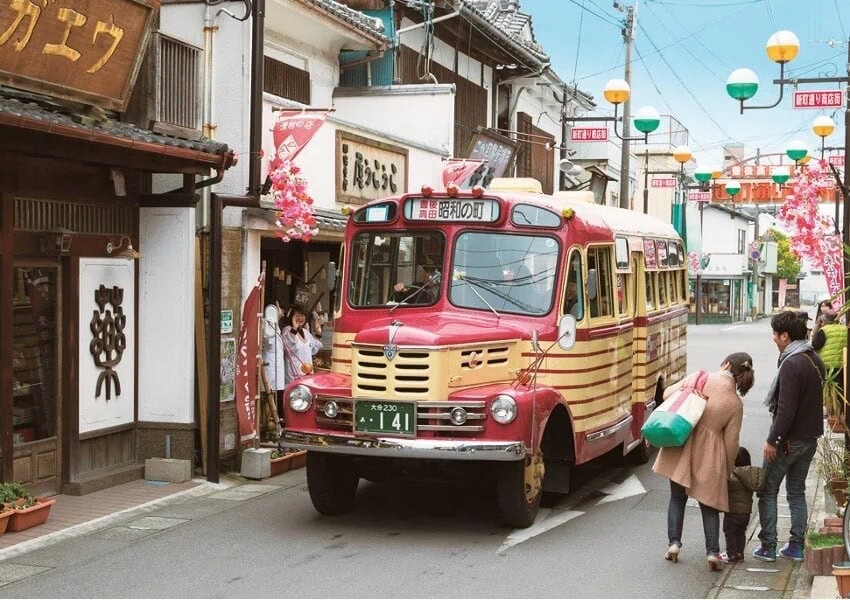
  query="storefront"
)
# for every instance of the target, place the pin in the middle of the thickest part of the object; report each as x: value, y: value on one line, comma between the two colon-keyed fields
x: 724, y: 290
x: 75, y: 212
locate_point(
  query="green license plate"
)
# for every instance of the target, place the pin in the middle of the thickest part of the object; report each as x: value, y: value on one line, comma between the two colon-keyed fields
x: 395, y: 418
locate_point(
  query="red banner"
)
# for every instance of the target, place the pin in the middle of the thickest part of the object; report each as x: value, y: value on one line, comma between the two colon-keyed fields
x: 833, y: 268
x: 293, y: 130
x: 246, y: 364
x: 458, y: 170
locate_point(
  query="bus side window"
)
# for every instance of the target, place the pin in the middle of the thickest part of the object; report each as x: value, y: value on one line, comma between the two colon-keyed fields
x: 574, y: 297
x: 650, y: 291
x: 599, y: 272
x: 662, y: 289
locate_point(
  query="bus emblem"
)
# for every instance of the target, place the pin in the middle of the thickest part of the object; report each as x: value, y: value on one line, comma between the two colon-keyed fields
x: 390, y: 350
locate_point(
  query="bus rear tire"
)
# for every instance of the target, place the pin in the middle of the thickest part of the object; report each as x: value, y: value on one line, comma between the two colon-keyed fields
x: 519, y: 490
x: 332, y: 483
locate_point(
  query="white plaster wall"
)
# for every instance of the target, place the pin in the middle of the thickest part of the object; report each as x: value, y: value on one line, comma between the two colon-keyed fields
x: 719, y: 228
x: 98, y: 412
x: 167, y: 311
x: 426, y: 116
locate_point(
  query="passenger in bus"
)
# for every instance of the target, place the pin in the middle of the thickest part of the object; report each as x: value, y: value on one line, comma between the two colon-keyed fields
x: 571, y: 303
x: 700, y: 469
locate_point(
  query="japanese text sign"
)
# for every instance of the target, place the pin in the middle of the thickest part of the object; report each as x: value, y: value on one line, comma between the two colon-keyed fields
x: 497, y: 150
x: 649, y: 257
x: 837, y: 160
x: 589, y: 134
x: 819, y: 99
x: 82, y: 50
x: 368, y: 169
x: 292, y: 131
x: 482, y: 210
x: 664, y: 183
x: 833, y: 267
x: 699, y: 196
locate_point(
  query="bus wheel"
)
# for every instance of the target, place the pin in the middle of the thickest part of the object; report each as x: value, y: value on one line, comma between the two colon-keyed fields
x: 332, y: 483
x: 640, y: 454
x: 519, y: 489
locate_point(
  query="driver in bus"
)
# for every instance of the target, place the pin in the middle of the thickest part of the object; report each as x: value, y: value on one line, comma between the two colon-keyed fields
x: 419, y: 292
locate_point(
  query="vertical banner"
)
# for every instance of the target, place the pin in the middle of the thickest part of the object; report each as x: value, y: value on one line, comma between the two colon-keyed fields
x: 293, y: 130
x: 833, y: 268
x: 246, y: 363
x: 783, y: 290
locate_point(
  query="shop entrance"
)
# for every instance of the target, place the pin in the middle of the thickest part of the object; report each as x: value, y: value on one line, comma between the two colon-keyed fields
x: 36, y: 368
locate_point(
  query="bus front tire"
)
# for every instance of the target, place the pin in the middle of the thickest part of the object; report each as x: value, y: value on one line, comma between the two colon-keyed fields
x: 332, y: 483
x: 519, y: 490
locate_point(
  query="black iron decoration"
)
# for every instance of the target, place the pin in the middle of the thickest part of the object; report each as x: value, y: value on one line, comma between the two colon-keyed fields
x: 108, y: 344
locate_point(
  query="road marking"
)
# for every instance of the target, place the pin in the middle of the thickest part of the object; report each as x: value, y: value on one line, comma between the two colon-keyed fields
x: 752, y: 588
x: 619, y: 491
x: 733, y: 327
x: 761, y: 570
x: 543, y: 523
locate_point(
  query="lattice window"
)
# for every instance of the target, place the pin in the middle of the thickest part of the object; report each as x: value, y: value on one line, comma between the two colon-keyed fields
x: 179, y: 94
x: 286, y: 81
x: 52, y: 215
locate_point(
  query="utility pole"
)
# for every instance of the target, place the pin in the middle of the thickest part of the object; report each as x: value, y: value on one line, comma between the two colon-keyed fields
x: 628, y: 38
x: 562, y: 175
x: 846, y: 187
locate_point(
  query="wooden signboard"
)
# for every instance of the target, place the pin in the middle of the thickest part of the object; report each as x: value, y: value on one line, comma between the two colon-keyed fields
x: 499, y: 152
x: 87, y: 51
x: 368, y: 169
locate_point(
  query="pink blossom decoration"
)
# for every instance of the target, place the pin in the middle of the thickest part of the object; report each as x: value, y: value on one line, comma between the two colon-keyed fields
x: 295, y: 215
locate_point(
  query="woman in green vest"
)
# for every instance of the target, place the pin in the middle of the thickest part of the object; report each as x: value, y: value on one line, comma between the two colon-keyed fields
x: 829, y: 341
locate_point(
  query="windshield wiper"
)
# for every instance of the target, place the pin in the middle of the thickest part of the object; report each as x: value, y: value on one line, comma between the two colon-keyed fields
x: 482, y: 283
x: 463, y: 278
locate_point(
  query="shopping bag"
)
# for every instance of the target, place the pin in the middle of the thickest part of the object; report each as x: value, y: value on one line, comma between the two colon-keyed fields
x: 672, y: 422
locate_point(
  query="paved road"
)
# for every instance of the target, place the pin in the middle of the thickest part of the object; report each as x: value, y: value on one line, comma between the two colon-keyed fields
x: 605, y: 540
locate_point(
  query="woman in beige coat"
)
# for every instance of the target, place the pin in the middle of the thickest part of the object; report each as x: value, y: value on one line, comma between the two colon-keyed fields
x: 701, y: 468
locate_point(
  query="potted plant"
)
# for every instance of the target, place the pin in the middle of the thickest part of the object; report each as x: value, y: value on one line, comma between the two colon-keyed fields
x: 30, y: 513
x: 832, y: 467
x: 280, y: 462
x: 822, y: 552
x: 841, y: 571
x: 833, y: 399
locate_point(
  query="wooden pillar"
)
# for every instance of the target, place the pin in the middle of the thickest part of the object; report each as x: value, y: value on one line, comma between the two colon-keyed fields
x: 7, y: 213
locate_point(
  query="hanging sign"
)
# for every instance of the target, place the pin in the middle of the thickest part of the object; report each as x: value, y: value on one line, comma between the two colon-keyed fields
x: 82, y: 50
x: 293, y: 130
x: 833, y: 268
x: 837, y: 160
x: 819, y: 99
x: 246, y: 363
x: 699, y: 196
x: 589, y: 134
x: 664, y: 183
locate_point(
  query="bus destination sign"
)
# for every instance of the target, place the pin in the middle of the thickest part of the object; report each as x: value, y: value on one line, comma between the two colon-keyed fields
x: 479, y: 210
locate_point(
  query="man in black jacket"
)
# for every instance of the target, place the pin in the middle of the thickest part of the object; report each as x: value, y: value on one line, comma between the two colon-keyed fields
x: 795, y: 400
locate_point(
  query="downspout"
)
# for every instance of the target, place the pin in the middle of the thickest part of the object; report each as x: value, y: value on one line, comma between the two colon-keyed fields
x: 208, y: 128
x: 258, y: 18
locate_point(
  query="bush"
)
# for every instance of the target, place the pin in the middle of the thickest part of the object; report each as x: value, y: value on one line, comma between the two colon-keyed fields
x: 9, y: 492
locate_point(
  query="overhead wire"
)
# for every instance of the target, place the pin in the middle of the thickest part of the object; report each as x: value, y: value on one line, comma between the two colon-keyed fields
x: 578, y: 45
x: 696, y: 39
x: 770, y: 14
x: 719, y: 4
x: 596, y: 14
x: 840, y: 21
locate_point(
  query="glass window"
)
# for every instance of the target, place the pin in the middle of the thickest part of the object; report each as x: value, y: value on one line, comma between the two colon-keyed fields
x: 526, y: 215
x: 599, y: 282
x: 622, y: 253
x: 650, y: 291
x: 623, y: 280
x: 395, y: 268
x: 662, y: 289
x: 502, y: 272
x: 673, y: 252
x: 34, y: 353
x: 574, y: 298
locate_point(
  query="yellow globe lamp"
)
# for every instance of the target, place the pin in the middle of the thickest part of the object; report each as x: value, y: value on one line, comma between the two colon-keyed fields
x: 823, y: 126
x: 782, y: 47
x: 682, y: 154
x: 805, y: 160
x: 617, y: 91
x: 716, y: 173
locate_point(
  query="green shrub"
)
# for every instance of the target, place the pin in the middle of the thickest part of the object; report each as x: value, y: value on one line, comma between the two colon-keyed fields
x: 11, y: 491
x: 821, y: 540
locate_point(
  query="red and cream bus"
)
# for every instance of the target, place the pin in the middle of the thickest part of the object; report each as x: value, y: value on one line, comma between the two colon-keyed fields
x: 518, y: 332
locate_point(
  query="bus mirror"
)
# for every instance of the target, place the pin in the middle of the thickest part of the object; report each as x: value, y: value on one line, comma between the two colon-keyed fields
x: 567, y: 332
x: 591, y: 284
x: 331, y: 275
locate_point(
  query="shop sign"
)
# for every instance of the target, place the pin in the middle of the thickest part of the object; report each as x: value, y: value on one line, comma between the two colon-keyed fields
x: 368, y: 169
x: 589, y: 134
x: 227, y: 321
x: 497, y: 153
x: 88, y: 51
x: 664, y: 183
x: 725, y: 264
x: 699, y: 196
x: 819, y: 99
x: 764, y: 192
x: 837, y: 160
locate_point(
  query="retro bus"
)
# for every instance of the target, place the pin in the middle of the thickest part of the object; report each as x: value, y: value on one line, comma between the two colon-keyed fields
x: 509, y: 331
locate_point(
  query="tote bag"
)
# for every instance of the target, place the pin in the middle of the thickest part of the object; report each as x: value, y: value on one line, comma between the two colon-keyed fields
x: 672, y: 422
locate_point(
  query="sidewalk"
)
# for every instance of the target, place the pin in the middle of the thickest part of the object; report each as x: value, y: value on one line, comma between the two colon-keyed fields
x: 783, y: 578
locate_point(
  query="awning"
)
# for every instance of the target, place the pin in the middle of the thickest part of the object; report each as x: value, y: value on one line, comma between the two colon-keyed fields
x: 326, y: 220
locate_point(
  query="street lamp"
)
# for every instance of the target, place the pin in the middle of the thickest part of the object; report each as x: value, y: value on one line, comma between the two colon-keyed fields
x: 683, y: 154
x: 646, y: 120
x: 782, y: 47
x: 797, y: 151
x: 733, y: 188
x: 780, y: 175
x: 823, y: 128
x: 703, y: 175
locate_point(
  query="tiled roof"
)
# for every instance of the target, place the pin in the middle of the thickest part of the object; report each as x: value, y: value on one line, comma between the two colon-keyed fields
x: 369, y: 25
x: 506, y: 19
x: 43, y: 109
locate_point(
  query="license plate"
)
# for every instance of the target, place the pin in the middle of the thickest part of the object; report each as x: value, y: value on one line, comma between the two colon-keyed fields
x: 394, y: 418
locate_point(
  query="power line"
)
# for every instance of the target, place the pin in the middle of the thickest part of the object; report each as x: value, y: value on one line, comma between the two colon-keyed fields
x: 676, y: 42
x: 684, y: 85
x: 696, y: 39
x: 770, y: 14
x: 796, y: 72
x: 720, y: 4
x: 840, y: 22
x: 578, y: 44
x: 694, y: 56
x: 596, y: 14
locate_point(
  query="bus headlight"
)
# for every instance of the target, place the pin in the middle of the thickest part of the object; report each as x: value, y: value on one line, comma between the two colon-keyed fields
x: 300, y: 398
x: 503, y: 409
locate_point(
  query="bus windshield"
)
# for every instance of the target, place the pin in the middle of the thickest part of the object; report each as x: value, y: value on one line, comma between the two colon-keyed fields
x: 396, y: 268
x: 504, y: 272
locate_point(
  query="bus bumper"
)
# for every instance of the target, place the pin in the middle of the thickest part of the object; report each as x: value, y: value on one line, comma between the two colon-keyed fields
x: 432, y: 449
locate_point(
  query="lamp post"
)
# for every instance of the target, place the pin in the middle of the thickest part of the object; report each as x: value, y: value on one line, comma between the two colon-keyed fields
x: 733, y: 188
x: 783, y: 47
x: 797, y: 151
x: 823, y: 128
x: 646, y: 120
x: 683, y: 154
x: 703, y: 176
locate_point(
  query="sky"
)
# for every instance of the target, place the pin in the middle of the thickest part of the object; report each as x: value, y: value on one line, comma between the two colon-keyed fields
x: 684, y: 53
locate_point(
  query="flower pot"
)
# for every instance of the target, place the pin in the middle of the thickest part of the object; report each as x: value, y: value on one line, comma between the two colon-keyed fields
x: 838, y: 483
x: 841, y: 571
x: 299, y: 459
x: 840, y: 497
x: 24, y: 518
x: 4, y: 519
x: 281, y: 464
